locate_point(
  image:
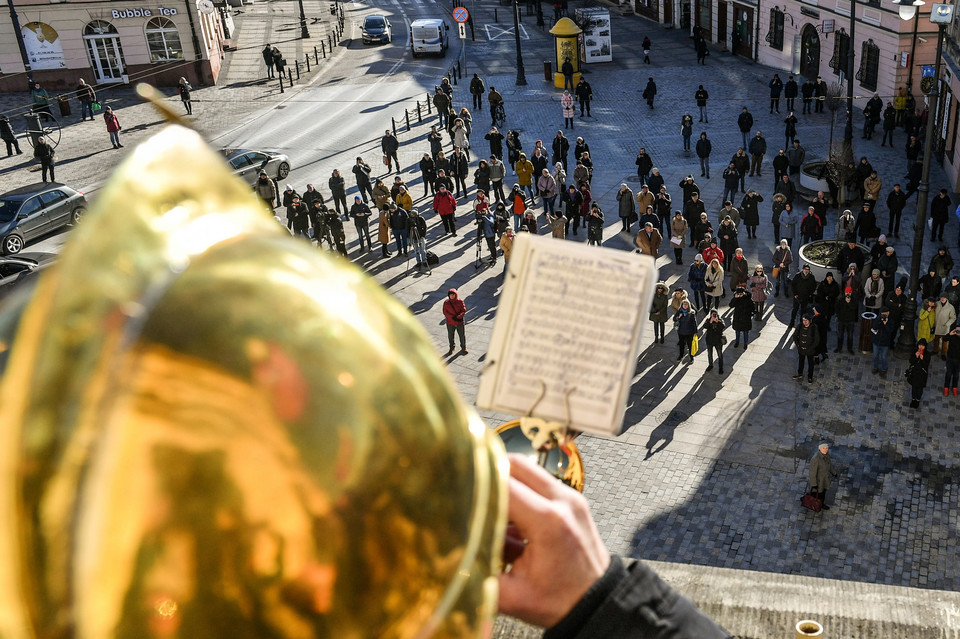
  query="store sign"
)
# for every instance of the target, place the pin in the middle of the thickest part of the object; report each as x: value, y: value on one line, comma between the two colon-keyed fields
x: 143, y: 13
x: 44, y: 49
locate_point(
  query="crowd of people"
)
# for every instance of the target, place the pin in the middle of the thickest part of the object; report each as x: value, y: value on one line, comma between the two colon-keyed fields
x: 551, y: 194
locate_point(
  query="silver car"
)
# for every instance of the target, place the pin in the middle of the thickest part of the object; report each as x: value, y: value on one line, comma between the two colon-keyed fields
x: 247, y: 164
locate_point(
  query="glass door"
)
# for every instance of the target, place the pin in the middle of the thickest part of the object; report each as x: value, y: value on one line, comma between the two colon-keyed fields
x: 104, y: 51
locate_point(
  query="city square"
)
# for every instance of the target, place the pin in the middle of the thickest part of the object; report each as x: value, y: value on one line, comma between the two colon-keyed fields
x: 706, y: 478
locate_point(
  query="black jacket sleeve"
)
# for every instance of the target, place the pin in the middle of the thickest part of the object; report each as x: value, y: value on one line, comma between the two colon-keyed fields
x: 631, y: 602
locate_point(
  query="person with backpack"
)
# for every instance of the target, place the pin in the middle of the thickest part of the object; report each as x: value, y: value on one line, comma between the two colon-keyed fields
x: 416, y: 236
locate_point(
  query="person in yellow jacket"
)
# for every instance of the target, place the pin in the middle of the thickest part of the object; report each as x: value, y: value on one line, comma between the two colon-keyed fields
x: 927, y: 323
x: 506, y: 245
x: 524, y: 169
x: 404, y: 200
x: 644, y: 199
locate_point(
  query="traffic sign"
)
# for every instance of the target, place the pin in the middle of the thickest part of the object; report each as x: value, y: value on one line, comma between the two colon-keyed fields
x: 461, y: 15
x: 463, y: 31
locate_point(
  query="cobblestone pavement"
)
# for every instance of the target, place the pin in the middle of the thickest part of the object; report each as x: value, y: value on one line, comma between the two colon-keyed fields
x: 709, y: 469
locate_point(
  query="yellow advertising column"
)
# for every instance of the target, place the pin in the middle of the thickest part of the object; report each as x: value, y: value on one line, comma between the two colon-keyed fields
x: 565, y: 31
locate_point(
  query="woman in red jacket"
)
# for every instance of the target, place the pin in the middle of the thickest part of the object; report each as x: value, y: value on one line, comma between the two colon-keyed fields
x: 113, y: 127
x: 454, y: 309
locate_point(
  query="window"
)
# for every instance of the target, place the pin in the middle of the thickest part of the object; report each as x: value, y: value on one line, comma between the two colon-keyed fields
x: 52, y: 197
x: 98, y: 28
x: 841, y: 49
x: 775, y: 34
x: 32, y: 206
x: 163, y: 40
x: 869, y: 65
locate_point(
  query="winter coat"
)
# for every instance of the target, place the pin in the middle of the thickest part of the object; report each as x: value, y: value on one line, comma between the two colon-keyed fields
x: 742, y: 312
x: 267, y: 190
x: 566, y: 104
x: 871, y: 188
x: 444, y: 203
x: 454, y: 309
x: 749, y: 209
x: 383, y: 228
x: 696, y: 275
x: 946, y: 317
x: 649, y: 244
x: 927, y: 323
x: 661, y: 300
x: 678, y: 228
x: 848, y: 311
x: 713, y: 278
x: 524, y: 171
x: 461, y: 139
x: 784, y: 257
x: 758, y: 145
x: 644, y: 164
x: 381, y: 196
x: 713, y: 332
x: 547, y: 186
x: 704, y: 147
x: 873, y: 288
x: 758, y: 288
x: 739, y: 272
x: 113, y: 123
x: 727, y: 234
x: 827, y: 295
x: 821, y: 470
x: 496, y: 143
x: 883, y: 332
x: 917, y: 369
x: 939, y: 208
x: 506, y: 245
x: 804, y: 286
x: 625, y: 207
x: 941, y: 265
x: 686, y: 323
x: 788, y: 224
x: 806, y: 339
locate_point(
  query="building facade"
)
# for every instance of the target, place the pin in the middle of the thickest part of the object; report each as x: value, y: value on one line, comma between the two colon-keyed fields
x: 948, y: 109
x: 110, y: 42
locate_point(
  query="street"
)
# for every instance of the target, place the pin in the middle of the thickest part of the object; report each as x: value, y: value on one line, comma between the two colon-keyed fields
x: 709, y: 469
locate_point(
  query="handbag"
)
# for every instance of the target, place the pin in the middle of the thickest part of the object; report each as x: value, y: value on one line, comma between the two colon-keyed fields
x: 709, y: 288
x: 95, y: 106
x: 694, y: 346
x: 723, y: 340
x: 776, y: 272
x: 870, y: 301
x: 813, y: 503
x: 386, y: 160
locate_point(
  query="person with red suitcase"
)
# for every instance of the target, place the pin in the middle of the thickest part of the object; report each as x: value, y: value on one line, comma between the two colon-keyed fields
x: 821, y: 470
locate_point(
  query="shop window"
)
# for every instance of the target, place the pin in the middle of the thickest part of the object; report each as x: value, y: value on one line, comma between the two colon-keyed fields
x: 163, y: 40
x: 775, y: 34
x: 841, y: 49
x: 869, y: 65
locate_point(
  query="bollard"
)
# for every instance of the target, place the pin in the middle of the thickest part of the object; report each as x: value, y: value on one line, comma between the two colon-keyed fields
x: 429, y: 101
x: 323, y: 47
x: 454, y: 73
x: 495, y: 18
x: 296, y: 65
x: 406, y: 114
x: 547, y: 71
x: 308, y: 62
x: 280, y: 75
x: 330, y: 42
x: 289, y: 76
x: 316, y: 56
x: 419, y: 114
x: 459, y: 72
x: 393, y: 125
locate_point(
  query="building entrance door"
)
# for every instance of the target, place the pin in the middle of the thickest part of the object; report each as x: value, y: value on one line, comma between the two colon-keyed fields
x: 104, y: 51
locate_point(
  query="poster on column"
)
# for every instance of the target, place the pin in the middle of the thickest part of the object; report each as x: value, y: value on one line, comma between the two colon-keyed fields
x: 596, y: 45
x: 43, y: 45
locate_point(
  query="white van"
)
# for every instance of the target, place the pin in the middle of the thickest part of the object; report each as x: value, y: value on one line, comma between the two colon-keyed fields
x: 429, y: 35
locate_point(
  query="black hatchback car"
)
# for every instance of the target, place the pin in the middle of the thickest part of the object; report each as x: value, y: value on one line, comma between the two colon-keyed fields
x: 33, y: 211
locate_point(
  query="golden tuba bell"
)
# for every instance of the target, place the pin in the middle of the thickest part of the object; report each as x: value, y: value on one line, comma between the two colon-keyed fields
x: 210, y: 429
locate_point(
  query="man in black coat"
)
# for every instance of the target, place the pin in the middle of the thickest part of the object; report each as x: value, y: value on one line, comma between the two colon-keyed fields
x: 781, y: 166
x: 561, y: 146
x: 44, y: 152
x: 790, y: 90
x: 757, y: 148
x: 704, y: 147
x: 820, y: 93
x: 939, y: 213
x: 476, y: 90
x: 806, y: 338
x: 850, y: 254
x: 895, y: 203
x: 267, y: 54
x: 804, y: 285
x: 848, y: 310
x: 458, y: 171
x: 786, y: 187
x: 8, y: 136
x: 806, y: 93
x: 745, y: 124
x: 584, y: 94
x: 298, y: 217
x: 691, y: 213
x: 390, y: 145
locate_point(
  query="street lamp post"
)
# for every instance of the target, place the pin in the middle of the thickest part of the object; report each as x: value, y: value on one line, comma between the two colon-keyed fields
x: 941, y: 15
x: 521, y: 77
x: 851, y: 74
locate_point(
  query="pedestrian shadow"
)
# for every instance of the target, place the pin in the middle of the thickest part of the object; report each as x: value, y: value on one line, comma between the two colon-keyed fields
x: 699, y: 395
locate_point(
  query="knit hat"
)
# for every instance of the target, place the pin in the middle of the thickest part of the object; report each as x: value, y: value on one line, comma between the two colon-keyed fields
x: 829, y: 274
x: 289, y: 188
x: 889, y: 249
x: 882, y: 238
x: 851, y: 264
x: 698, y: 258
x: 823, y: 445
x: 875, y: 271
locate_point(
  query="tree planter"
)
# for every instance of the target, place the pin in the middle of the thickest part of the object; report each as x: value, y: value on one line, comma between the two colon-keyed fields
x: 813, y: 176
x: 822, y: 255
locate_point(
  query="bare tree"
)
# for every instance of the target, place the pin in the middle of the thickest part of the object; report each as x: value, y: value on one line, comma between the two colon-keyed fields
x: 840, y: 155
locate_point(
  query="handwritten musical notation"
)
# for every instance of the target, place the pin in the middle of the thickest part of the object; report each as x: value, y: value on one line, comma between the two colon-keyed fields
x: 570, y: 317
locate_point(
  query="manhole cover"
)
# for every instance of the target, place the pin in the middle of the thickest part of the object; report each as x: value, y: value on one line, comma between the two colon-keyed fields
x: 633, y: 178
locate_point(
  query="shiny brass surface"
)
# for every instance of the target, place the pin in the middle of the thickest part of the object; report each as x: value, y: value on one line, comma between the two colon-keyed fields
x: 210, y: 429
x: 562, y: 461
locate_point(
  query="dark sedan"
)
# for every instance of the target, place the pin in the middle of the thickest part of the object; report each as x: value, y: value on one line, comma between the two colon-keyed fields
x: 16, y: 270
x: 36, y: 210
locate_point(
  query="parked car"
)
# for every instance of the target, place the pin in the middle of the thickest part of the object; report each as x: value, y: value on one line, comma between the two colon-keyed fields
x: 36, y: 210
x: 247, y: 164
x: 376, y: 28
x: 18, y: 269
